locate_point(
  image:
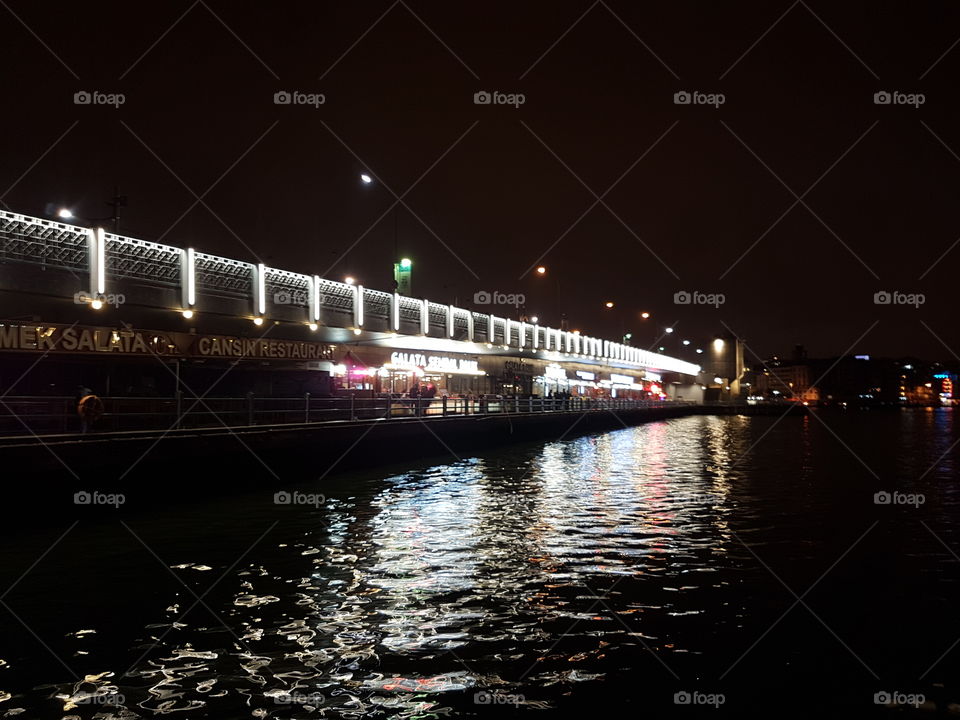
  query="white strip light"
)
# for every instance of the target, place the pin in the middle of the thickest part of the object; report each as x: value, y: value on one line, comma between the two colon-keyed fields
x: 358, y: 305
x: 191, y: 276
x: 315, y: 299
x: 261, y: 288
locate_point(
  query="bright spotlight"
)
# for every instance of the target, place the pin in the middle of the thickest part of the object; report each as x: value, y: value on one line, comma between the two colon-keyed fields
x: 366, y: 178
x: 313, y: 326
x: 668, y: 330
x: 96, y: 304
x: 258, y: 321
x: 187, y: 314
x: 349, y: 280
x: 718, y: 344
x: 65, y: 213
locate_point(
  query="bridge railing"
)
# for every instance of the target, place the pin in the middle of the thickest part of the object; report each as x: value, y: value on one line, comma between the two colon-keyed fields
x: 37, y: 415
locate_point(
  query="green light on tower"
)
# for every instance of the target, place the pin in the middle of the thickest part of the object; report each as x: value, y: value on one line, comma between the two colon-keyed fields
x: 401, y: 276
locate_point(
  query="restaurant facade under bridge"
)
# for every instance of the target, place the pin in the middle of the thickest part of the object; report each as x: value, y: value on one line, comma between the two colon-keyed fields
x: 377, y: 371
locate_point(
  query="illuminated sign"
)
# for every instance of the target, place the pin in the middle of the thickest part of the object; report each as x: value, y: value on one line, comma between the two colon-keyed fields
x: 131, y: 341
x: 436, y: 363
x: 652, y: 377
x: 622, y: 379
x: 584, y: 375
x: 555, y: 372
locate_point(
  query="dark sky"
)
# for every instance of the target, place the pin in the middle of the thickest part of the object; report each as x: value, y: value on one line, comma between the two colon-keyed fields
x: 506, y: 188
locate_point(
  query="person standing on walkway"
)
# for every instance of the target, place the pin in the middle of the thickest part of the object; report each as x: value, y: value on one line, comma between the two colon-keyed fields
x: 89, y: 408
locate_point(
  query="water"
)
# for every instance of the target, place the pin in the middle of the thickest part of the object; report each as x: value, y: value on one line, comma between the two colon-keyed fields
x: 598, y: 574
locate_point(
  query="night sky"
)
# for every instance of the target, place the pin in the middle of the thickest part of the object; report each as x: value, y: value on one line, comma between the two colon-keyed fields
x: 687, y: 190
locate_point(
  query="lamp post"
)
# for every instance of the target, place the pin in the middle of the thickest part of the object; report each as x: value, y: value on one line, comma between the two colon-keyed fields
x: 562, y: 319
x: 367, y: 179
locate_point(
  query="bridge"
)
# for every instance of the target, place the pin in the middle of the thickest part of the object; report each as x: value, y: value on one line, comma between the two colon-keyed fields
x: 48, y: 267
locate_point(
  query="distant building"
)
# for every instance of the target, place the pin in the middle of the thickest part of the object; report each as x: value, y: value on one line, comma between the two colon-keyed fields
x: 787, y: 381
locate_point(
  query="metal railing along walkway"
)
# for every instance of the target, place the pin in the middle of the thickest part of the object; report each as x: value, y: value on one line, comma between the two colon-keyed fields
x: 38, y: 415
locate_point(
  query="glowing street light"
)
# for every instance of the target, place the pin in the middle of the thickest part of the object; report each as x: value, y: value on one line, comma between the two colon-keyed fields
x: 366, y: 178
x: 258, y: 321
x: 541, y: 270
x: 645, y: 315
x: 349, y: 280
x: 686, y: 342
x: 668, y: 330
x: 609, y: 304
x: 65, y: 214
x: 187, y: 314
x: 718, y: 345
x: 534, y: 319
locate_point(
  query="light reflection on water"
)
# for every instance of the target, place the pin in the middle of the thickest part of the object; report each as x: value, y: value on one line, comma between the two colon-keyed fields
x: 527, y: 573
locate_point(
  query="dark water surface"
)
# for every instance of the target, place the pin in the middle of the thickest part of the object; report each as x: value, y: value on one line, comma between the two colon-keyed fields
x: 741, y: 560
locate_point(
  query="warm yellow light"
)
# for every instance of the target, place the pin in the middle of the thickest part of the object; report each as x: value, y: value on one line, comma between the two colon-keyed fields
x: 349, y: 280
x: 645, y: 315
x: 187, y: 314
x: 356, y: 331
x: 96, y: 304
x: 313, y: 326
x: 718, y: 344
x: 258, y: 321
x: 609, y: 304
x: 541, y: 270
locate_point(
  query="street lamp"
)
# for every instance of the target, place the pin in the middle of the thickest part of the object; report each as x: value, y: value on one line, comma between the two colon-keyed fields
x: 645, y: 315
x: 349, y: 280
x: 609, y: 304
x: 541, y: 270
x: 65, y: 214
x: 366, y: 178
x: 668, y: 330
